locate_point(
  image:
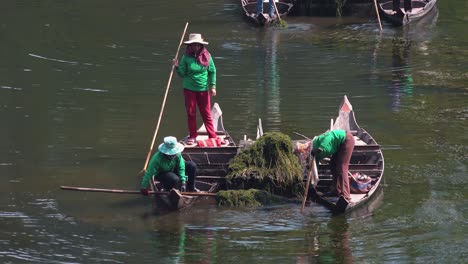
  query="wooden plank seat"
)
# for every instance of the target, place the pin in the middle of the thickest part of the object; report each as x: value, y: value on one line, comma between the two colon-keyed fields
x: 370, y: 173
x: 373, y: 166
x: 209, y: 159
x: 219, y: 133
x: 367, y: 147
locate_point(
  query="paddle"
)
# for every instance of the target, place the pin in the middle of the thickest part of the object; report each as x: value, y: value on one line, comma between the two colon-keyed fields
x: 84, y: 189
x: 378, y: 16
x: 163, y: 104
x: 282, y: 23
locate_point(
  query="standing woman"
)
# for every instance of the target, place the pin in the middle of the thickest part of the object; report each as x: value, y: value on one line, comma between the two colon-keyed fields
x: 198, y: 71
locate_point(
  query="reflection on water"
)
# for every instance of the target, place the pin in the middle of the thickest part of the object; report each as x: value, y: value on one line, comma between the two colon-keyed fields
x: 418, y: 34
x: 340, y: 236
x: 402, y: 77
x: 268, y: 78
x: 270, y: 234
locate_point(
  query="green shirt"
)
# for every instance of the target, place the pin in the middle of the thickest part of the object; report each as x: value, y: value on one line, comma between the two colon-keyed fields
x: 329, y: 143
x: 196, y: 77
x: 160, y: 163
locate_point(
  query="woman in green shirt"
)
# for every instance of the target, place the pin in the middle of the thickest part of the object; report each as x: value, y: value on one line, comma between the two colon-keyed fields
x: 198, y: 71
x: 339, y: 144
x: 169, y: 167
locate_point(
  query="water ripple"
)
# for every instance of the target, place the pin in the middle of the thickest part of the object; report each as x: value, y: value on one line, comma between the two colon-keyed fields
x: 51, y: 59
x: 11, y: 88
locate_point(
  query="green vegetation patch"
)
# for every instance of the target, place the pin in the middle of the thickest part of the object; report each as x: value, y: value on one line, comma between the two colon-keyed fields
x: 269, y: 164
x: 280, y: 23
x: 251, y: 197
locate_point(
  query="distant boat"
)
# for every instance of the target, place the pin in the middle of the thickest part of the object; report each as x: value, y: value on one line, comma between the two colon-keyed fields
x: 250, y: 9
x: 420, y: 8
x: 367, y: 159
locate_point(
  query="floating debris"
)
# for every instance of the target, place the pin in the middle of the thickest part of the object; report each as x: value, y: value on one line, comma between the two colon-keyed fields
x: 251, y: 197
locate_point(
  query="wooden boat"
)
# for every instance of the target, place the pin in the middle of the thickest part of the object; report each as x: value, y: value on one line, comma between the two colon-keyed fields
x: 367, y: 159
x: 420, y: 9
x: 212, y: 165
x: 250, y: 10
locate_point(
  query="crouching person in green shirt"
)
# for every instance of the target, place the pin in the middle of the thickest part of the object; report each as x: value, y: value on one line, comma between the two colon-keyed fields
x: 169, y: 167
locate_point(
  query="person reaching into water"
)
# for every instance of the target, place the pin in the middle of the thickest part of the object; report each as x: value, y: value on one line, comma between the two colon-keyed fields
x: 339, y: 145
x: 169, y: 167
x: 198, y: 71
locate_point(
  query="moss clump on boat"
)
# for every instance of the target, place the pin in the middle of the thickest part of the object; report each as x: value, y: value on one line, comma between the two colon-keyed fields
x: 269, y: 164
x: 251, y: 197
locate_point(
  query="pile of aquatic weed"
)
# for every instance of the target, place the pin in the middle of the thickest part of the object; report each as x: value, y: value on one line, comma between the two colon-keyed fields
x: 251, y: 197
x: 270, y: 165
x: 281, y: 23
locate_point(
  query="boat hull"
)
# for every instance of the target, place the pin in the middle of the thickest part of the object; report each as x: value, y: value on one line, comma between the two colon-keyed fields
x: 367, y: 159
x: 212, y: 164
x: 420, y: 9
x: 250, y: 11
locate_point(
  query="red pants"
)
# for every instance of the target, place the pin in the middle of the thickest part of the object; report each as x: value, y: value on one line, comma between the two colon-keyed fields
x: 340, y: 166
x: 202, y: 99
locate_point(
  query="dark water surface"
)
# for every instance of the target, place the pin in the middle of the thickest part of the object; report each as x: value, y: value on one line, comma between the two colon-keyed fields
x: 81, y: 88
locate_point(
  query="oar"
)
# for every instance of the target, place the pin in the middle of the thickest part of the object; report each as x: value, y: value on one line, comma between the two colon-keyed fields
x: 163, y: 104
x: 281, y: 22
x: 378, y: 16
x: 84, y: 189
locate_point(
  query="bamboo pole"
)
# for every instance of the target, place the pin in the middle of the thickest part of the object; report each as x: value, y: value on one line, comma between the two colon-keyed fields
x: 164, y: 103
x: 309, y: 178
x: 281, y: 22
x: 85, y: 189
x: 378, y: 16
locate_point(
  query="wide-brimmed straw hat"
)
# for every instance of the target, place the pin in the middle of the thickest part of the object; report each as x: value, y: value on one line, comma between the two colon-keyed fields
x: 171, y: 146
x: 195, y: 38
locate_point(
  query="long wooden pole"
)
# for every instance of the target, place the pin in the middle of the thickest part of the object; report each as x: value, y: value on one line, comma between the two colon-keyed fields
x: 164, y: 101
x: 309, y: 177
x: 378, y: 16
x: 84, y: 189
x: 301, y: 135
x: 276, y: 10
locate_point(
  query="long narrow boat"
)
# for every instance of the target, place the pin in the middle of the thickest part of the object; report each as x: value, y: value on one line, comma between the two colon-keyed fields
x: 212, y: 159
x: 250, y: 10
x: 367, y: 159
x: 420, y: 9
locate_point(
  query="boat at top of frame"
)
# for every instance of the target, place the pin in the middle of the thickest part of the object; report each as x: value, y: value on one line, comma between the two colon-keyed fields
x: 262, y: 19
x: 404, y: 16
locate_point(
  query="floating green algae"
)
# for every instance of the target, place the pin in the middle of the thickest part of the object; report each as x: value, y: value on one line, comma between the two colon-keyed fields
x: 269, y: 164
x: 251, y: 198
